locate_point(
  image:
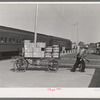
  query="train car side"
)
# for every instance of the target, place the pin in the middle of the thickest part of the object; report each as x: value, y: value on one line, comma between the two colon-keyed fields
x: 61, y: 42
x: 12, y: 40
x: 43, y: 38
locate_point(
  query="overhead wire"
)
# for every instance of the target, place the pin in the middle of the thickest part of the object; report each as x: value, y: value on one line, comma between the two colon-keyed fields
x: 60, y: 16
x: 67, y: 23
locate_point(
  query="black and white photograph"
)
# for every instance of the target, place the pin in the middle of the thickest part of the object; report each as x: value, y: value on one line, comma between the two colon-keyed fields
x: 51, y: 46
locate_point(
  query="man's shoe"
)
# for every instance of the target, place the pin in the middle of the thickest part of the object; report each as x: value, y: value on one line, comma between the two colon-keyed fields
x: 82, y: 71
x: 72, y: 70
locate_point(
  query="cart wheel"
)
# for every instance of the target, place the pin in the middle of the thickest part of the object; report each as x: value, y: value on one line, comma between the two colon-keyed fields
x: 22, y: 63
x: 53, y: 65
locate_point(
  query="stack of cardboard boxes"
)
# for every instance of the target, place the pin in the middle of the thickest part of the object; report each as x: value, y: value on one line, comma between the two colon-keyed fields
x: 48, y: 52
x: 34, y: 50
x: 52, y: 51
x: 55, y: 51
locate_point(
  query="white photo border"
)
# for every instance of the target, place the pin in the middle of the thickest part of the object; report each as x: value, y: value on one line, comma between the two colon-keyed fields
x: 44, y: 92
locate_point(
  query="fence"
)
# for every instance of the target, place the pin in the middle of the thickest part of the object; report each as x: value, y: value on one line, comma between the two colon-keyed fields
x: 64, y: 52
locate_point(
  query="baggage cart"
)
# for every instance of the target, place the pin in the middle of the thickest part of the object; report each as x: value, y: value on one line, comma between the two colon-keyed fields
x: 50, y: 54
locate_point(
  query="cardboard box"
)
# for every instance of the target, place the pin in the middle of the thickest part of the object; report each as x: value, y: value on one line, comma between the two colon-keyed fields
x: 42, y: 54
x: 40, y: 45
x: 37, y: 52
x: 29, y: 47
x: 28, y: 55
x: 32, y: 51
x: 27, y: 41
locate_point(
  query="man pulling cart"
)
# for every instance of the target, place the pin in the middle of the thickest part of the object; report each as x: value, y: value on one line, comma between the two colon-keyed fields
x: 81, y: 56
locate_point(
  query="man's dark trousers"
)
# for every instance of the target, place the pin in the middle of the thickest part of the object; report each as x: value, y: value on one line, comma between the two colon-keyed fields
x: 77, y: 63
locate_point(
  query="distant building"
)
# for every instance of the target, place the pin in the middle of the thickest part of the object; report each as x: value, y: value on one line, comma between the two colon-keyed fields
x: 74, y: 46
x: 92, y: 45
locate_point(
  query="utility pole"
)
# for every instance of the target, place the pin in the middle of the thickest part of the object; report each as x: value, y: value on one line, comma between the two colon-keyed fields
x: 35, y: 24
x: 35, y: 29
x: 77, y: 35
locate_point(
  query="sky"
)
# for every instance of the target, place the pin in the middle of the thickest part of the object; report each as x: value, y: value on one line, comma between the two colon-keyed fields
x: 77, y: 22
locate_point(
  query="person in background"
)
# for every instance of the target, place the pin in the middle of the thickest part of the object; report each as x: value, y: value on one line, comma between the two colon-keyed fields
x: 81, y: 56
x: 78, y: 49
x: 23, y: 52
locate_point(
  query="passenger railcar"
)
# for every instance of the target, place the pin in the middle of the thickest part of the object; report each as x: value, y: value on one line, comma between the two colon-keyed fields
x: 43, y: 38
x: 12, y: 40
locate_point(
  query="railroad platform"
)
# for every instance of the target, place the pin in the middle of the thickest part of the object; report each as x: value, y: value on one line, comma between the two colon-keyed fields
x: 40, y: 77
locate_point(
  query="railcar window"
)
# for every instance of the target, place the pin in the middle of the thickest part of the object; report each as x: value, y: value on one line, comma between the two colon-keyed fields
x: 23, y: 40
x: 1, y: 40
x: 13, y: 40
x: 5, y: 40
x: 17, y: 41
x: 9, y: 40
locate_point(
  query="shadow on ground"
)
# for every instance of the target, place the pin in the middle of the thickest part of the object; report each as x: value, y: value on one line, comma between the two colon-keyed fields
x: 30, y: 69
x: 95, y: 82
x: 41, y: 68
